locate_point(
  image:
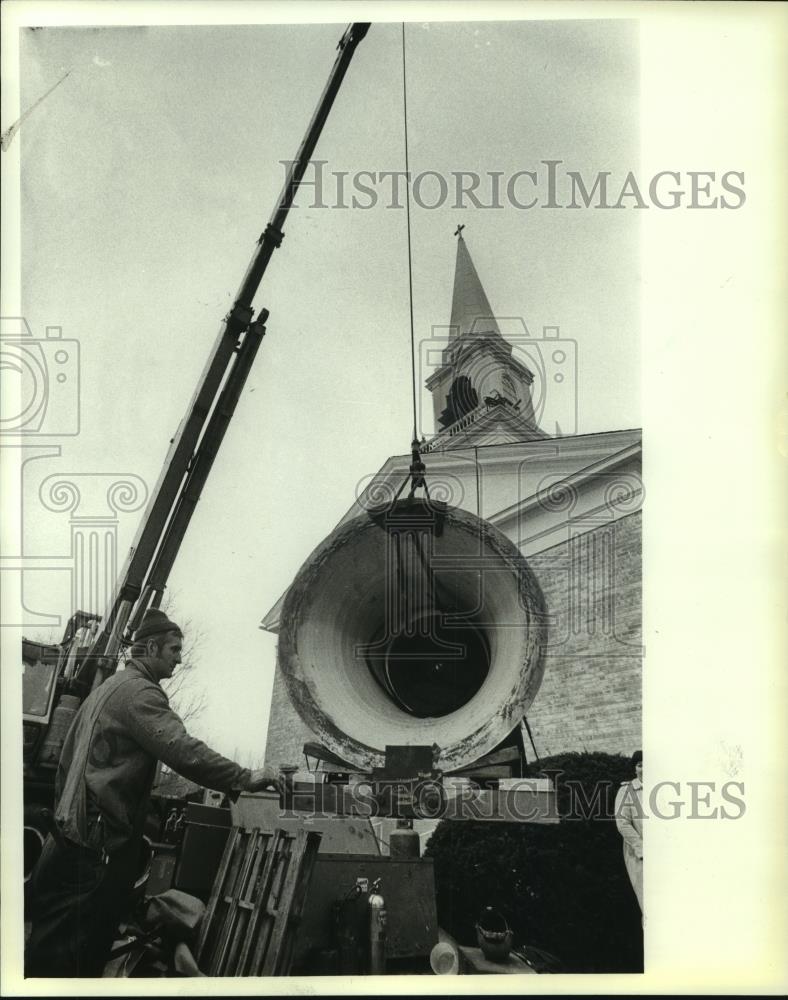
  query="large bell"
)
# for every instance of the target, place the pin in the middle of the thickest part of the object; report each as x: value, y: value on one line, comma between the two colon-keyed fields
x: 413, y: 624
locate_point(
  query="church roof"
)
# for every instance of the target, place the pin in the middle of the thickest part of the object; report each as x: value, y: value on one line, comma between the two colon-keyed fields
x: 470, y: 308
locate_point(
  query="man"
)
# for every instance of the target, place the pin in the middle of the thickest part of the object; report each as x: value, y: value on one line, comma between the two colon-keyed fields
x: 82, y: 882
x: 629, y: 820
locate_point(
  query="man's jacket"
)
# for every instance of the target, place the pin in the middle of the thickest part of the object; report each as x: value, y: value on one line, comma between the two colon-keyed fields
x: 629, y: 817
x: 108, y: 762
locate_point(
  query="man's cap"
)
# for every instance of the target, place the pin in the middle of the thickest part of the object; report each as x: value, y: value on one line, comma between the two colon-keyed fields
x: 155, y: 622
x: 637, y: 757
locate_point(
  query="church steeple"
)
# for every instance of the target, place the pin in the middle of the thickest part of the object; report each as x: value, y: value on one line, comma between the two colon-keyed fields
x: 481, y: 392
x: 470, y: 309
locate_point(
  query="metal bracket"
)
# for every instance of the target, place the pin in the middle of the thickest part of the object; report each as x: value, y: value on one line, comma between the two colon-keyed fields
x: 271, y: 235
x: 238, y: 318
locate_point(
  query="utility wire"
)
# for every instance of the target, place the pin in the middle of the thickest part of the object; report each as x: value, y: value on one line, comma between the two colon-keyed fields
x: 410, y: 255
x: 531, y: 738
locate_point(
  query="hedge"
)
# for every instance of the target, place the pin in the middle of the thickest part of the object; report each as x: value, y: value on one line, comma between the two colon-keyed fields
x: 563, y: 888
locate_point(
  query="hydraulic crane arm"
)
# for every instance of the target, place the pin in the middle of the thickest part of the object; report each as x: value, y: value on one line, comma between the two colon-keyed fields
x: 194, y: 447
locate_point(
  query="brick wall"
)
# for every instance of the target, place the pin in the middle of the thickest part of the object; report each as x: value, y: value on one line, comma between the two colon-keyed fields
x: 590, y: 698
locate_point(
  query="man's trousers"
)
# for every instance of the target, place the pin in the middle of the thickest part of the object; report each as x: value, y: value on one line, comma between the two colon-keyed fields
x: 78, y: 899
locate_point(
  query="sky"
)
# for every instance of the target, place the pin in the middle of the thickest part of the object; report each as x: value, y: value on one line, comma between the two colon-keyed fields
x: 150, y: 172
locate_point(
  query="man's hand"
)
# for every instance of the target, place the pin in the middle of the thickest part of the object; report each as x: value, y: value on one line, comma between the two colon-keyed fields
x: 265, y: 777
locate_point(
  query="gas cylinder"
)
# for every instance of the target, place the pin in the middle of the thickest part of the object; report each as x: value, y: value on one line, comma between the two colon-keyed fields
x: 404, y: 842
x: 377, y: 931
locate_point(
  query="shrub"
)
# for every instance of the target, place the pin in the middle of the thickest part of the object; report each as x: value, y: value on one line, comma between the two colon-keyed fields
x: 563, y: 887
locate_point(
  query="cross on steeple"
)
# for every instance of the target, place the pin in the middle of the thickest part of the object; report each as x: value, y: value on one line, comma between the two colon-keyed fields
x: 458, y: 230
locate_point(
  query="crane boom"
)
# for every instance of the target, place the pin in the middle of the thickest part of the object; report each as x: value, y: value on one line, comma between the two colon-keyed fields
x: 192, y: 450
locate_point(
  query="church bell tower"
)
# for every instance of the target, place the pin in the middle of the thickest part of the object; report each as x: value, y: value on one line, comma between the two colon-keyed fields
x: 480, y: 390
